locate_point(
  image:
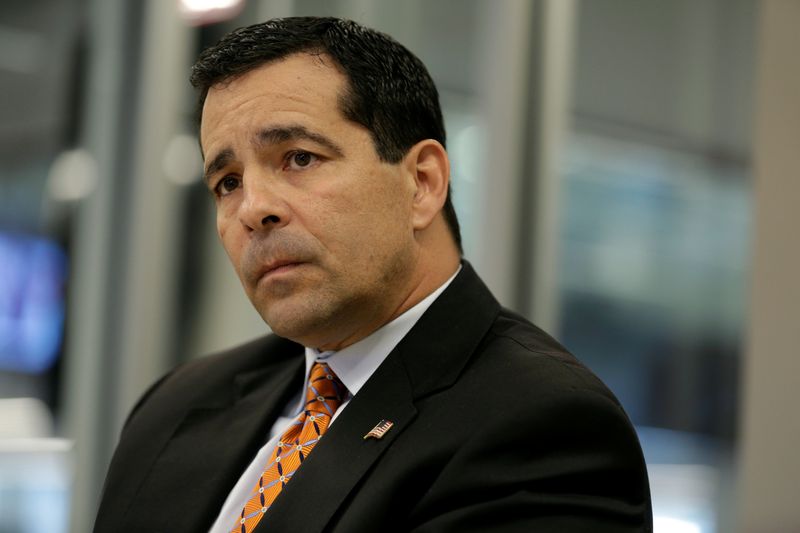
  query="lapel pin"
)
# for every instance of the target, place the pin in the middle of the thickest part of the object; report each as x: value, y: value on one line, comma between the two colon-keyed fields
x: 380, y: 430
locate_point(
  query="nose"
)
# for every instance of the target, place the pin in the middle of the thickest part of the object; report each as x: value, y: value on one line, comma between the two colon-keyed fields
x: 262, y: 206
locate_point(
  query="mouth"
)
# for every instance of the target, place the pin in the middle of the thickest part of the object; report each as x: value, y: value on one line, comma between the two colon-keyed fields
x: 278, y: 268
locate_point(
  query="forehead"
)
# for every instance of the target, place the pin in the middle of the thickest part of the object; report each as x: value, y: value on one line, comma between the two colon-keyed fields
x: 299, y: 88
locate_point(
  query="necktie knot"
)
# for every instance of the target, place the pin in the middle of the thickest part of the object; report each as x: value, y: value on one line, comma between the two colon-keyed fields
x: 325, y: 392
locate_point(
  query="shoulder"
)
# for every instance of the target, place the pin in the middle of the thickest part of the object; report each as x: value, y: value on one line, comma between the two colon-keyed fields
x: 207, y: 379
x: 545, y: 432
x: 529, y: 360
x: 226, y: 364
x: 538, y: 393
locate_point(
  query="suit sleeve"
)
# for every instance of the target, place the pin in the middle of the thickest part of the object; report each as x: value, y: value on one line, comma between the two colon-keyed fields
x: 563, y: 463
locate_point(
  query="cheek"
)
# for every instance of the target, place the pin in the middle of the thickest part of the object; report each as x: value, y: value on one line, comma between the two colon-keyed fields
x: 380, y: 227
x: 371, y: 211
x: 227, y: 236
x: 226, y: 220
x: 222, y: 229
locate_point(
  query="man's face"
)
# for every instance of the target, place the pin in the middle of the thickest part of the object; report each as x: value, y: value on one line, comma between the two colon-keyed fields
x: 318, y: 228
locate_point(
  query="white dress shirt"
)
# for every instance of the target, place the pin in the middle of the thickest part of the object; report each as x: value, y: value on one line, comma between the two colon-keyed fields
x: 353, y: 365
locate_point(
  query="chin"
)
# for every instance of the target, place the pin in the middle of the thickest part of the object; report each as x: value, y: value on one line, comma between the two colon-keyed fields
x: 299, y: 325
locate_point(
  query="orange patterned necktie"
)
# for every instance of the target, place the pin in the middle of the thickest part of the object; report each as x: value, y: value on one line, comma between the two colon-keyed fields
x: 324, y: 394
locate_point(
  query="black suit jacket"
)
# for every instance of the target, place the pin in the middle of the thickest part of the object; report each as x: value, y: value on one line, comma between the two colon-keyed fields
x: 496, y: 428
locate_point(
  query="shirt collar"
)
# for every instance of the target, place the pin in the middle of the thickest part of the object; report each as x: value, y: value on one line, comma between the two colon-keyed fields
x: 356, y: 363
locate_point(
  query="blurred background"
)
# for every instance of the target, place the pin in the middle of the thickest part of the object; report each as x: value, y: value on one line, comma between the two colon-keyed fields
x: 625, y: 173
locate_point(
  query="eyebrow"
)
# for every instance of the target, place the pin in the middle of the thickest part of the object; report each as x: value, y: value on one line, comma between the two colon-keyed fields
x: 281, y: 134
x: 220, y: 161
x: 272, y: 135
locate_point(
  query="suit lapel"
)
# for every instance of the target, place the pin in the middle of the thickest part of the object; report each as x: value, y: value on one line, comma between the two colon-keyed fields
x: 428, y: 359
x: 212, y: 446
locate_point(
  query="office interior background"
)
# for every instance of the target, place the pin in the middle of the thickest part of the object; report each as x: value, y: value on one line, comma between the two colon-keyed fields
x: 625, y: 173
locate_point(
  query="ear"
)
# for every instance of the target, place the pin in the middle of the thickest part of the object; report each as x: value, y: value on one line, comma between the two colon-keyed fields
x: 429, y: 166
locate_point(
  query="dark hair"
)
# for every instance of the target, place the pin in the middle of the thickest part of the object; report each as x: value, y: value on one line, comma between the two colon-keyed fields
x: 389, y: 89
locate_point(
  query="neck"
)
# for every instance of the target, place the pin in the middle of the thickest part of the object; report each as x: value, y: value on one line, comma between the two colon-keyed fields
x: 429, y: 272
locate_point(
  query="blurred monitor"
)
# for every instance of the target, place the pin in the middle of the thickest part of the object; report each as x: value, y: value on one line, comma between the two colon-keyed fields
x: 33, y: 273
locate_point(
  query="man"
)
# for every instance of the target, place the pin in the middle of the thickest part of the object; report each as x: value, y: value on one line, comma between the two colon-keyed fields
x: 395, y: 394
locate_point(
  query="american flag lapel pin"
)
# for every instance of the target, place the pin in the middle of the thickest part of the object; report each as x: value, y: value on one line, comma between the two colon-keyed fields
x: 379, y: 430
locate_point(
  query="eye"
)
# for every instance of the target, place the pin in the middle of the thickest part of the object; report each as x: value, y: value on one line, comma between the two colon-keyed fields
x: 299, y: 160
x: 226, y: 185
